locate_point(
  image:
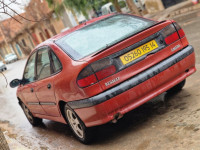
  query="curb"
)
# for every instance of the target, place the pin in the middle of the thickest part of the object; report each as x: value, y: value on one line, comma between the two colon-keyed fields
x: 184, y: 10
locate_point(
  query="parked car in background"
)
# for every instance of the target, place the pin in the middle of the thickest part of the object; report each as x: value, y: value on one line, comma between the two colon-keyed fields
x: 9, y: 58
x: 109, y: 8
x: 98, y: 71
x: 2, y: 66
x: 140, y: 4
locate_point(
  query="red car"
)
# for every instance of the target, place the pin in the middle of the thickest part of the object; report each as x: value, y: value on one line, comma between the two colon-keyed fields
x: 100, y: 70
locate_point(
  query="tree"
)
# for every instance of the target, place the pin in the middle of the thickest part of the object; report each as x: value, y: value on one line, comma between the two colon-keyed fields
x: 79, y: 6
x: 39, y: 11
x: 133, y: 8
x: 7, y: 10
x: 116, y: 5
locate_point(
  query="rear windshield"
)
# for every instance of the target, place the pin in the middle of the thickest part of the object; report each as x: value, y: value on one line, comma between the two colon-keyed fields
x: 102, y: 34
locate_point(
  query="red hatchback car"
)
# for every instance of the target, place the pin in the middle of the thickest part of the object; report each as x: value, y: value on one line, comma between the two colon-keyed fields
x: 100, y: 70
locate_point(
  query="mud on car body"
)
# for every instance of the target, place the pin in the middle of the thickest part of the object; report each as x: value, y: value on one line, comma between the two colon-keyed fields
x: 98, y: 71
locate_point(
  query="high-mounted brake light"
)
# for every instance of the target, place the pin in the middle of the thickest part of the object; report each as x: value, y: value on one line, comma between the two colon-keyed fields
x: 95, y: 72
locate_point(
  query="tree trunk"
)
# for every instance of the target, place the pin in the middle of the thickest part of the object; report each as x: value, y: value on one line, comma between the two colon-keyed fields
x: 75, y: 17
x: 116, y: 5
x: 133, y: 8
x: 26, y: 50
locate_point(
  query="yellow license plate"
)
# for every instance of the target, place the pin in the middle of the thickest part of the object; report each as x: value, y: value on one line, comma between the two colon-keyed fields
x: 138, y: 52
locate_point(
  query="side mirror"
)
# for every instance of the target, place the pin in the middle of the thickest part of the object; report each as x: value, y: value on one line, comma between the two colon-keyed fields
x: 15, y: 83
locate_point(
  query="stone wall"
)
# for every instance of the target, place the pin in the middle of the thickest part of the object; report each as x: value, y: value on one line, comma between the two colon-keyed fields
x: 154, y: 6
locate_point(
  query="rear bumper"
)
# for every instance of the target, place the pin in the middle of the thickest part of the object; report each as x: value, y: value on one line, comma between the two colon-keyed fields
x: 137, y: 90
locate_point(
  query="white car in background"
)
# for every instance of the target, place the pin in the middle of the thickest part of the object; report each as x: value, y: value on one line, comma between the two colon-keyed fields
x: 109, y: 8
x: 2, y: 66
x: 9, y: 58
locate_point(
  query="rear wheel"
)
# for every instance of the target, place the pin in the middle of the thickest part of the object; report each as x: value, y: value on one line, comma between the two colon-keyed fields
x: 82, y: 133
x: 178, y: 87
x: 33, y: 120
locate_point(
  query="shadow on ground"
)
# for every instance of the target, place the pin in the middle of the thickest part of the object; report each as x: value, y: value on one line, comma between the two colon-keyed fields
x: 131, y: 122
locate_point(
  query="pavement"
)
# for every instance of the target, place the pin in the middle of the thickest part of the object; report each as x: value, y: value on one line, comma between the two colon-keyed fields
x: 165, y: 123
x: 3, y: 142
x: 171, y: 12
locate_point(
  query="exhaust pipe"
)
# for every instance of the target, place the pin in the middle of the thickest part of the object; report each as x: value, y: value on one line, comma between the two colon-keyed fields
x: 116, y: 117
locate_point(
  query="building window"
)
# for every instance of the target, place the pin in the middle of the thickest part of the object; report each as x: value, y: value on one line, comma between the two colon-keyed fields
x: 42, y: 37
x: 47, y: 33
x: 34, y: 36
x: 23, y: 42
x: 31, y: 41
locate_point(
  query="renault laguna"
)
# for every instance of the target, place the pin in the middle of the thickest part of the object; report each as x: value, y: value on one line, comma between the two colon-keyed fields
x: 98, y: 71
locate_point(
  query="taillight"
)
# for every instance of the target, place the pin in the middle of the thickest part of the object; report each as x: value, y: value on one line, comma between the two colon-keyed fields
x: 179, y: 30
x: 95, y: 72
x: 86, y: 77
x: 105, y: 72
x: 171, y: 38
x: 170, y: 34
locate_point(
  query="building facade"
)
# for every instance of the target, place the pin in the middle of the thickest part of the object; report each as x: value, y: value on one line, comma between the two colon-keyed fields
x: 21, y: 37
x: 154, y: 6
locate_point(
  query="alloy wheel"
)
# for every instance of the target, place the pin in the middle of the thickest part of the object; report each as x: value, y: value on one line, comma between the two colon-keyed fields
x: 75, y: 123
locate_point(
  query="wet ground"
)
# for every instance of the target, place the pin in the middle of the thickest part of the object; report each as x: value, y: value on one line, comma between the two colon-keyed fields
x: 172, y: 122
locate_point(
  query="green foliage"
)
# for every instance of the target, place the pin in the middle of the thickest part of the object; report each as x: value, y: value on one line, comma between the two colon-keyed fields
x: 79, y: 6
x: 122, y: 4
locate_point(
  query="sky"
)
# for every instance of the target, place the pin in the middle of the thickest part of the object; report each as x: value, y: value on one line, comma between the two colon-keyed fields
x: 17, y: 7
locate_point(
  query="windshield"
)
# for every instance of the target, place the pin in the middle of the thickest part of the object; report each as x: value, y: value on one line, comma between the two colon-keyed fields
x: 102, y: 34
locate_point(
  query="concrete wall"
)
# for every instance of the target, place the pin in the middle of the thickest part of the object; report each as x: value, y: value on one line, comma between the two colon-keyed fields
x: 154, y: 6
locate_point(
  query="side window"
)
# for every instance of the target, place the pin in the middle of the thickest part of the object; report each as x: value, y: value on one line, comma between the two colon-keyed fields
x: 29, y: 73
x: 43, y: 64
x: 56, y: 63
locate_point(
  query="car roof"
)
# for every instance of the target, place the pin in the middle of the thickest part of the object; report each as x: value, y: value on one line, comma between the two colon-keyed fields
x: 62, y: 34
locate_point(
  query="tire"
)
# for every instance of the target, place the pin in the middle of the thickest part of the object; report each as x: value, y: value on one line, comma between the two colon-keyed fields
x: 177, y: 87
x: 34, y: 121
x: 81, y: 132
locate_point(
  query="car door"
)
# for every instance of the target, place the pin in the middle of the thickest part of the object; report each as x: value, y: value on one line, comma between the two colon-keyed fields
x: 45, y: 83
x: 28, y: 86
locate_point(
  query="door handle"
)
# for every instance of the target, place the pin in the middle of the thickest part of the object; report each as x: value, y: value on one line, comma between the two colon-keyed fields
x: 49, y: 86
x: 32, y: 90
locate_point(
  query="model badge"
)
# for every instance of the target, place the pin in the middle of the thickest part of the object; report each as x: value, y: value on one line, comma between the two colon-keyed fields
x: 175, y: 48
x: 112, y: 81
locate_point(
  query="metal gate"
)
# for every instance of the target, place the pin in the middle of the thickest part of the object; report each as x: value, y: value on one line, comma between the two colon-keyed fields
x: 168, y: 3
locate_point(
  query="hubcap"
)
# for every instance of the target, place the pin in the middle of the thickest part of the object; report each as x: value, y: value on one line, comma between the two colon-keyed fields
x: 75, y: 123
